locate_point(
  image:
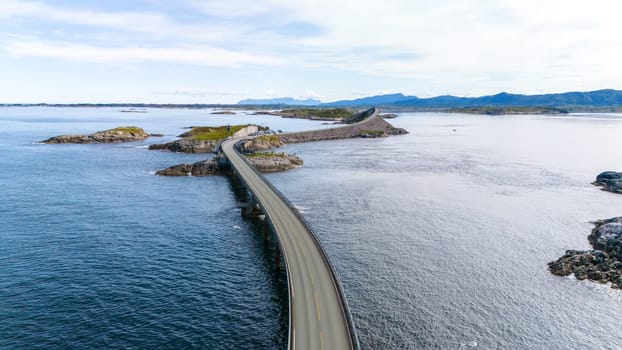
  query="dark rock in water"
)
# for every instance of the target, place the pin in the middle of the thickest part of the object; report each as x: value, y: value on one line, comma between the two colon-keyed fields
x: 609, y: 181
x: 603, y: 264
x: 396, y: 131
x: 388, y: 116
x: 206, y: 167
x: 214, y: 166
x: 176, y: 170
x: 120, y: 134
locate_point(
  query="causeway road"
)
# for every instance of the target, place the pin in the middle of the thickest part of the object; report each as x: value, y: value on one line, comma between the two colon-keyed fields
x: 319, y: 315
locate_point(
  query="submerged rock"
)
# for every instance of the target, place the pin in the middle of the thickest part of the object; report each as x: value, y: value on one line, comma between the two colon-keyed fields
x: 120, y: 134
x: 603, y: 264
x: 609, y: 181
x: 176, y: 170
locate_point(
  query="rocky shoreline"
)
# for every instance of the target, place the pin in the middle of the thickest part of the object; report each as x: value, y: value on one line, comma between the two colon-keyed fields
x: 120, y: 134
x: 602, y: 264
x: 610, y: 181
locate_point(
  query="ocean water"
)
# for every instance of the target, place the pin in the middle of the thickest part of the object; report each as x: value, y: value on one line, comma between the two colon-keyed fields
x: 441, y: 237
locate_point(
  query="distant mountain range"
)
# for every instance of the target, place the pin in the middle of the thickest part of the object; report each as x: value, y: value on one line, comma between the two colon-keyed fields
x: 599, y: 98
x: 281, y: 101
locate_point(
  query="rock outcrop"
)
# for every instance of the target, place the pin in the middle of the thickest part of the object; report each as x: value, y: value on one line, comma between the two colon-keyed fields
x: 120, y: 134
x: 187, y: 145
x: 274, y: 162
x: 602, y: 264
x: 214, y: 166
x: 609, y: 181
x: 262, y: 143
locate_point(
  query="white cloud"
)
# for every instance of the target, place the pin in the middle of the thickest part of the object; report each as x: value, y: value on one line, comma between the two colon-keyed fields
x: 188, y: 55
x: 157, y: 24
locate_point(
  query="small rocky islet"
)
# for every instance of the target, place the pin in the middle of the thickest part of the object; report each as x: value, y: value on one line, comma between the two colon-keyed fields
x: 119, y: 134
x: 610, y: 181
x: 264, y: 162
x: 604, y: 262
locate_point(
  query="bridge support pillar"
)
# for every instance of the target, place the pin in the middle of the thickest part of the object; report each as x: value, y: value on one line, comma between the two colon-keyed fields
x: 266, y: 230
x: 250, y: 207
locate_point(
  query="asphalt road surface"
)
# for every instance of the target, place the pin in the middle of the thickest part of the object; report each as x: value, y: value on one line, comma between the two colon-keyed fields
x: 317, y: 314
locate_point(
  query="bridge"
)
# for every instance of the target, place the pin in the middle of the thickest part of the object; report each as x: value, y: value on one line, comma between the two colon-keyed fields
x: 319, y: 317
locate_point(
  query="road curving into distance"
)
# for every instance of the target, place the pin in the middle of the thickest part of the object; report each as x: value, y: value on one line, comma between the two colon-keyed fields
x: 319, y: 317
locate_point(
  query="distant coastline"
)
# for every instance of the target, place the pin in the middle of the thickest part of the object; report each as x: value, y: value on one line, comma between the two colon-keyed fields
x: 488, y: 110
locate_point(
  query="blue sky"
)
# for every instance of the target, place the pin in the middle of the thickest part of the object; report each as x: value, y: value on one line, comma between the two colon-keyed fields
x: 194, y: 51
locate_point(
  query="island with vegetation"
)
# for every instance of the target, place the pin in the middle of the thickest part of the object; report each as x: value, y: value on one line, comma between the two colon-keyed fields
x: 120, y: 134
x: 325, y: 114
x: 205, y: 139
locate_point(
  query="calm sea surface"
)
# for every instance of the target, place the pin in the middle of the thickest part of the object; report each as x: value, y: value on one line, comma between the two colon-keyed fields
x: 441, y: 237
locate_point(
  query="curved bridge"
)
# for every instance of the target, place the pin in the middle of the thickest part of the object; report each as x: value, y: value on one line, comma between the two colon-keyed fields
x: 319, y: 317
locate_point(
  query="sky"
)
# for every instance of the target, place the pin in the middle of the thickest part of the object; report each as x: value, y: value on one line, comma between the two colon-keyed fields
x: 213, y: 51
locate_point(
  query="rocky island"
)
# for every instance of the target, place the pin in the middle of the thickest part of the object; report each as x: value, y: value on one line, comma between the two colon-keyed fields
x: 204, y: 139
x: 610, y: 181
x: 264, y: 162
x: 602, y: 264
x: 120, y: 134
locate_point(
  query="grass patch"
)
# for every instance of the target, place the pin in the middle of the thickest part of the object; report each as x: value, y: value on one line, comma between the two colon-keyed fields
x: 207, y: 133
x: 269, y: 138
x: 128, y: 130
x: 266, y: 154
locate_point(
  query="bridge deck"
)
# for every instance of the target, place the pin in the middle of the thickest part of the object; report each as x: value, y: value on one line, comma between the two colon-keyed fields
x: 319, y: 315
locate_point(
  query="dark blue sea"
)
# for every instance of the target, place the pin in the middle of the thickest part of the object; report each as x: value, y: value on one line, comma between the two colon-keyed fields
x: 441, y: 237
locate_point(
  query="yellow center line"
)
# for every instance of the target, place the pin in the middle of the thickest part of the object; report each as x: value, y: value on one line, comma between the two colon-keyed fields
x: 322, y: 339
x: 301, y: 248
x: 317, y: 305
